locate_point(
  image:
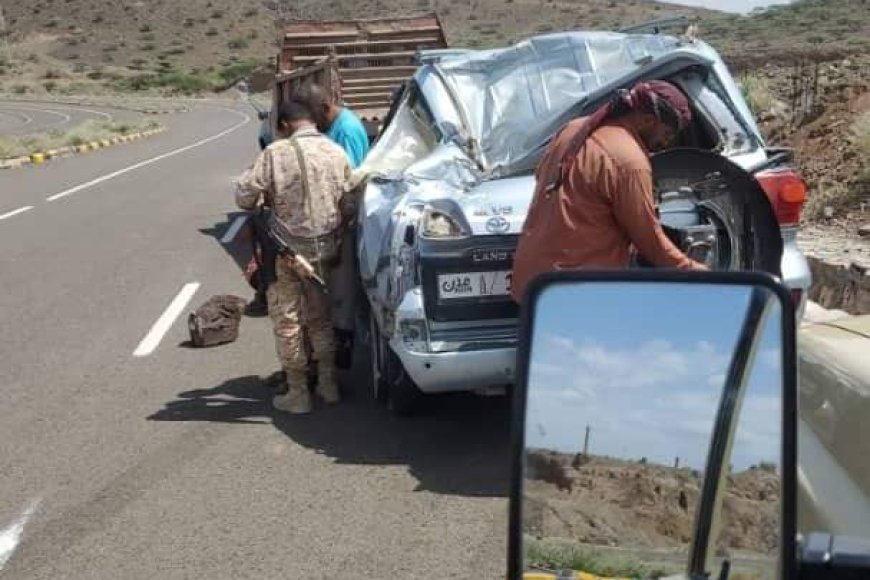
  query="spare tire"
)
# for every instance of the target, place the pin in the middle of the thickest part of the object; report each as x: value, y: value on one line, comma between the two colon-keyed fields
x: 721, y: 187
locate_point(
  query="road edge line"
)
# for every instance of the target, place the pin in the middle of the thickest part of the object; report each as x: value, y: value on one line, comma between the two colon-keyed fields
x: 150, y: 161
x: 40, y: 157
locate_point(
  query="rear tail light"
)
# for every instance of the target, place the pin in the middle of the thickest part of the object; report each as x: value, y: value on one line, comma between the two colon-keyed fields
x: 787, y: 192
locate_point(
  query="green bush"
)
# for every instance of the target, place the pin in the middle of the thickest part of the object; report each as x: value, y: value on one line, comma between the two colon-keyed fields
x: 145, y: 28
x: 562, y: 555
x: 211, y: 32
x: 175, y: 82
x: 20, y: 89
x: 237, y: 71
x: 756, y: 91
x: 238, y: 44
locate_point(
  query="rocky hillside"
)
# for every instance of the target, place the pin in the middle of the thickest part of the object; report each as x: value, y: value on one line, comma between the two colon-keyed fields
x: 203, y: 33
x: 202, y: 44
x: 823, y: 111
x: 803, y: 28
x: 600, y: 501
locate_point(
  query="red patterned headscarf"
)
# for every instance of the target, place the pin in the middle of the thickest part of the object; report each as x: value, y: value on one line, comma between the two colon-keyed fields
x: 659, y: 98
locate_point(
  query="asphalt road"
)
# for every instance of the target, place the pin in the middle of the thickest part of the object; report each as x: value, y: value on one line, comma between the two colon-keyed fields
x: 172, y: 464
x: 29, y: 117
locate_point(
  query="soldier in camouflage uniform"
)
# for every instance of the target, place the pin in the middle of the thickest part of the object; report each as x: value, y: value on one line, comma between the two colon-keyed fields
x: 276, y: 179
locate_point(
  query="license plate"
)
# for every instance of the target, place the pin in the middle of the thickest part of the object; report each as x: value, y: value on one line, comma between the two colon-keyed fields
x: 474, y: 284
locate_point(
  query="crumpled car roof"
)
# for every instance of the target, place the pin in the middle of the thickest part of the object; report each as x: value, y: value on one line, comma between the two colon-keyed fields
x: 513, y: 97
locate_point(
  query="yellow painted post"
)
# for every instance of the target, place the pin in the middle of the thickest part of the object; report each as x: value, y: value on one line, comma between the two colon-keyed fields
x: 37, y: 158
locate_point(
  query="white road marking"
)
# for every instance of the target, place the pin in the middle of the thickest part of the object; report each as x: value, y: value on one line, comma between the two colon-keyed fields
x: 234, y: 228
x: 147, y: 162
x: 16, y: 212
x: 11, y: 535
x: 106, y: 116
x: 27, y: 119
x: 64, y: 117
x: 164, y: 323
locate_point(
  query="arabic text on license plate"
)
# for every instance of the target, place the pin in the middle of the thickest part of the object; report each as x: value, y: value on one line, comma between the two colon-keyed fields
x: 474, y: 284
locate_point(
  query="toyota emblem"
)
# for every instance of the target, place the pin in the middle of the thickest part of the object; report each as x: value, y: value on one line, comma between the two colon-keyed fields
x: 497, y: 225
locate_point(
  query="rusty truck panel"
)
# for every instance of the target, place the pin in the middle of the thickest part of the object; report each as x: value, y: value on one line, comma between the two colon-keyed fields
x: 370, y: 58
x: 323, y: 73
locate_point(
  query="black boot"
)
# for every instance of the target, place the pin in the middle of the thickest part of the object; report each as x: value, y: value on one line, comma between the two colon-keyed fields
x: 258, y: 306
x: 276, y: 382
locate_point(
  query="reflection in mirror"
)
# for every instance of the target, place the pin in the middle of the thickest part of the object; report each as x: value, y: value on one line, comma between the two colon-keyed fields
x: 628, y: 385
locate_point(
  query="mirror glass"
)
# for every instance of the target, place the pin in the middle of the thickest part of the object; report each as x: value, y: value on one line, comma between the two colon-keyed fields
x: 629, y: 387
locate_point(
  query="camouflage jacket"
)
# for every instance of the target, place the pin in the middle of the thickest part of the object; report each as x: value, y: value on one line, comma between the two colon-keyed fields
x: 276, y: 180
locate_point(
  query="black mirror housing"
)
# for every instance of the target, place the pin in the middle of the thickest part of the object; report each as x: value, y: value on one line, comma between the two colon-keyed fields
x: 538, y: 439
x: 827, y: 557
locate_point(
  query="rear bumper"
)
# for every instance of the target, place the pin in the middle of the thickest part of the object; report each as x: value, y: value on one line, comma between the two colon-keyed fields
x: 464, y: 356
x: 446, y: 372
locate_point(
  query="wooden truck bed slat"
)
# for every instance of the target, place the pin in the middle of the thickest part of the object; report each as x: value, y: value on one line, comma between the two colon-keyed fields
x: 324, y: 47
x: 362, y: 62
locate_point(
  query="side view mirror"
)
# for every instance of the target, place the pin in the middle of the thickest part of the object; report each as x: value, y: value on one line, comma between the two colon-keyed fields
x: 655, y: 432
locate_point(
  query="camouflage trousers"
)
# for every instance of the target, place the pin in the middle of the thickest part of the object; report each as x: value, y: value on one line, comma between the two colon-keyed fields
x: 343, y: 285
x: 297, y: 307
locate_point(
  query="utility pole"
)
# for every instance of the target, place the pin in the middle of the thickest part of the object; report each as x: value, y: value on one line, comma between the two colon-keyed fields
x: 586, y: 441
x: 5, y: 53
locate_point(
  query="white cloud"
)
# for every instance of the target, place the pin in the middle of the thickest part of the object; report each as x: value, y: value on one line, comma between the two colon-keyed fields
x: 654, y: 400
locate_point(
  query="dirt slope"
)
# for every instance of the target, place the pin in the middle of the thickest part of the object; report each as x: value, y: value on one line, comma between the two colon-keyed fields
x: 609, y: 502
x: 203, y: 34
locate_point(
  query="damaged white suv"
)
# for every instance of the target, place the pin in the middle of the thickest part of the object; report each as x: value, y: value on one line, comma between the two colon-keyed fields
x: 451, y: 178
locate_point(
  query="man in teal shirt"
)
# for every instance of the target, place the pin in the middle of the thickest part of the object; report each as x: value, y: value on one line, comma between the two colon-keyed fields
x: 346, y: 129
x: 338, y: 123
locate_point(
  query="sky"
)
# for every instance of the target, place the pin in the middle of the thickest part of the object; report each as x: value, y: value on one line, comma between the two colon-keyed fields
x: 740, y: 6
x: 644, y: 365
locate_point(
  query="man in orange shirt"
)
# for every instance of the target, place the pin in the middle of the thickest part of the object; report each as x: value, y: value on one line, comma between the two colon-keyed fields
x: 593, y: 202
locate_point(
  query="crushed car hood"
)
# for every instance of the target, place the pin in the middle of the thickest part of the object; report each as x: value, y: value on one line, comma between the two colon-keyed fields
x: 514, y: 99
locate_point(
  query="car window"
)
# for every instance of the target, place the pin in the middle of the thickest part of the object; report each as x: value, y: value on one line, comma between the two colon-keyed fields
x: 749, y: 531
x: 409, y: 137
x: 437, y: 101
x: 710, y: 95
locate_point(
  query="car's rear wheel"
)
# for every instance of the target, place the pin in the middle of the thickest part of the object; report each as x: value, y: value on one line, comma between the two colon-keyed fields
x: 376, y: 359
x: 390, y: 384
x: 404, y: 398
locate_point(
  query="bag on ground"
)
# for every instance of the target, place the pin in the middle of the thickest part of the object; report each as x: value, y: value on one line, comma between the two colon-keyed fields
x: 216, y: 321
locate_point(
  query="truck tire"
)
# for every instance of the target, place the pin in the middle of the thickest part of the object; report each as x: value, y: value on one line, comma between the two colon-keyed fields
x: 378, y: 386
x: 404, y: 398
